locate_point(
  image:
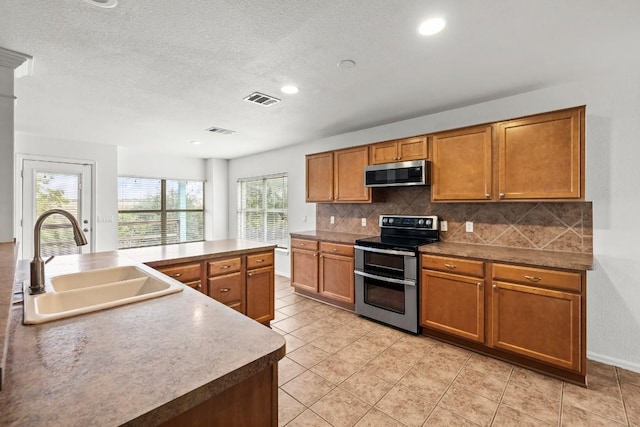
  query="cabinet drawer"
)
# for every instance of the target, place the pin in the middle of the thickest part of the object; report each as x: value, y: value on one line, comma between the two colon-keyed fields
x: 337, y: 249
x: 263, y: 259
x: 184, y: 273
x: 227, y: 288
x: 453, y: 265
x: 538, y: 276
x: 224, y: 266
x: 310, y: 245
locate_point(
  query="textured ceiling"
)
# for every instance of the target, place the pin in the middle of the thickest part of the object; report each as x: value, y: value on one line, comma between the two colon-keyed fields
x: 154, y: 74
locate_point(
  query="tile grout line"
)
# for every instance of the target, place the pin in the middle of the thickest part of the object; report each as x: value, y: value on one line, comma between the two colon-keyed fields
x: 624, y: 403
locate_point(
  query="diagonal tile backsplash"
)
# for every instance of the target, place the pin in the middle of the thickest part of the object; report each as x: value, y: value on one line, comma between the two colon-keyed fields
x: 556, y: 226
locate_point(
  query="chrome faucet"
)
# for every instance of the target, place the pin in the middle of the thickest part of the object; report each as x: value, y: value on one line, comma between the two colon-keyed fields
x: 37, y: 264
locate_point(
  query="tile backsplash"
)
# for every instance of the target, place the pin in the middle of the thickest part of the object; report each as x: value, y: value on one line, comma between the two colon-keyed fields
x: 561, y: 226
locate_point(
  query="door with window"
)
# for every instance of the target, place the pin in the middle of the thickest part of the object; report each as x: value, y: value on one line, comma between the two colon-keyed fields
x: 55, y: 185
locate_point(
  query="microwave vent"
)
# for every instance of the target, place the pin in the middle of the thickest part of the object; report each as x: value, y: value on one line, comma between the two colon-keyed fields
x: 262, y: 99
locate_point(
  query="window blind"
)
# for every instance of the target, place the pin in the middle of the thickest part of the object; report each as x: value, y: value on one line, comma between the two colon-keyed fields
x: 263, y: 209
x: 159, y: 212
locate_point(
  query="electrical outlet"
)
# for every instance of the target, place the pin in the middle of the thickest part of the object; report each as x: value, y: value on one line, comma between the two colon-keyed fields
x: 469, y: 226
x: 444, y: 226
x: 332, y: 220
x: 364, y: 222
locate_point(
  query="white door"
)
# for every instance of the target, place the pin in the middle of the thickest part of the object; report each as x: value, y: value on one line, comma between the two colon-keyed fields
x: 55, y: 185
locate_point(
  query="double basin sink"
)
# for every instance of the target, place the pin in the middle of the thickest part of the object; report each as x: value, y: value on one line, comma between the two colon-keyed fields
x: 79, y: 293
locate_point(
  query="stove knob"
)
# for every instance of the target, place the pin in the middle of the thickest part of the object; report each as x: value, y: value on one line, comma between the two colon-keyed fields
x: 421, y: 222
x: 384, y: 220
x: 390, y: 220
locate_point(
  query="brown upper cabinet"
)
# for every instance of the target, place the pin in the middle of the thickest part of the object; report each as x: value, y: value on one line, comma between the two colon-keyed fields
x: 532, y: 158
x: 399, y: 150
x: 461, y: 164
x: 338, y: 176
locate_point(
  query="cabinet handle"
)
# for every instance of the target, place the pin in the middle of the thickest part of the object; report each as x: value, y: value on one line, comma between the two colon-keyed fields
x: 259, y: 260
x: 177, y: 275
x: 224, y: 289
x: 487, y: 195
x: 301, y: 244
x: 249, y: 274
x: 479, y: 284
x: 533, y: 278
x: 199, y: 286
x: 495, y: 286
x: 315, y: 255
x: 501, y: 195
x: 450, y: 266
x: 334, y: 250
x: 224, y: 267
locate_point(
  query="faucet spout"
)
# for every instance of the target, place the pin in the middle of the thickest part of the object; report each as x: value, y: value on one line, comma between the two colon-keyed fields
x: 37, y: 264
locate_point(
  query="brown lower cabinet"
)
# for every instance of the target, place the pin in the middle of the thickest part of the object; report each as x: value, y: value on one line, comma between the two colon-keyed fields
x: 252, y: 402
x: 242, y: 282
x: 323, y: 270
x: 531, y: 316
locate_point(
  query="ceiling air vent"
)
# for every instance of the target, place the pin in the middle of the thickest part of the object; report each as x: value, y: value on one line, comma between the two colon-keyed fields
x: 262, y: 99
x: 221, y: 131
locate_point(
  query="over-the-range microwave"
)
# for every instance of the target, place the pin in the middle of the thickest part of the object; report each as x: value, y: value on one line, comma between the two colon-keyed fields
x: 415, y: 172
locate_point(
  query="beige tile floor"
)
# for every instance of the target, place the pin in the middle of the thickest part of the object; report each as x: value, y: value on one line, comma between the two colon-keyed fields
x: 343, y: 370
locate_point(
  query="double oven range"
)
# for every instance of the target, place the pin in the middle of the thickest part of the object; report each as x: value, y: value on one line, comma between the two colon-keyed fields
x: 386, y: 270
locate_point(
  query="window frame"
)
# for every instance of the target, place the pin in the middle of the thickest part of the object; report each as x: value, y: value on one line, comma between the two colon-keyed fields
x: 163, y: 211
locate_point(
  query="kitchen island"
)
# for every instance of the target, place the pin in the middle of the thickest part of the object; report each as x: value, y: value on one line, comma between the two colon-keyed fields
x: 181, y: 359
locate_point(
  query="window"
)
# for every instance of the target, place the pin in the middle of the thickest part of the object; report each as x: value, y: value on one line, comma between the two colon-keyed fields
x: 262, y: 209
x: 159, y: 211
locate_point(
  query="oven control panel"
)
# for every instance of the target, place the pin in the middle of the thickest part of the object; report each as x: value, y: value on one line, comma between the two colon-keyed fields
x: 416, y: 222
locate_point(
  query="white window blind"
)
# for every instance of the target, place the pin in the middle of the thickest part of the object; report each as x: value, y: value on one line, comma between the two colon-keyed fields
x: 263, y: 209
x: 159, y: 211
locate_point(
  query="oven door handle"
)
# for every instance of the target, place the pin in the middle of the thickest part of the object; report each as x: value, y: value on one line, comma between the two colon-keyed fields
x: 385, y: 251
x: 385, y: 279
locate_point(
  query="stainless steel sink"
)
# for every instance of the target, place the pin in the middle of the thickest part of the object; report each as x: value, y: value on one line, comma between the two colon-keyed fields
x: 79, y: 293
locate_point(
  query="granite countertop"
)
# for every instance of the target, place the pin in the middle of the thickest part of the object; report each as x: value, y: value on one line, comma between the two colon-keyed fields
x: 138, y: 364
x: 157, y: 256
x: 328, y: 236
x: 533, y: 257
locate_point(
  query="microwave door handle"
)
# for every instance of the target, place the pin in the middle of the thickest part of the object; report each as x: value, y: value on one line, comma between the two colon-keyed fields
x: 385, y: 279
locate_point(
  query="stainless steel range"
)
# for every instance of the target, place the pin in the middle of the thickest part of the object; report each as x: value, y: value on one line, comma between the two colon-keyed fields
x: 386, y: 270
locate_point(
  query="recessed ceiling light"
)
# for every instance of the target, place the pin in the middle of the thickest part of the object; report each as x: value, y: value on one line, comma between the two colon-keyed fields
x: 290, y: 89
x: 195, y: 142
x: 346, y: 64
x: 107, y: 4
x: 431, y: 26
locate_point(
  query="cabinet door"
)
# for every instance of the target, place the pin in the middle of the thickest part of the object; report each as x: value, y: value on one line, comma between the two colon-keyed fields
x: 461, y: 168
x: 453, y: 304
x: 229, y: 290
x: 320, y: 177
x: 348, y: 175
x: 260, y: 294
x: 412, y: 149
x: 539, y: 323
x: 304, y: 269
x: 337, y: 277
x: 540, y: 157
x: 384, y: 152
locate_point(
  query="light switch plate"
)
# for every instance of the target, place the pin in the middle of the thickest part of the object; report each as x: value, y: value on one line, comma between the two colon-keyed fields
x: 364, y: 222
x: 444, y: 226
x: 332, y: 220
x: 469, y: 226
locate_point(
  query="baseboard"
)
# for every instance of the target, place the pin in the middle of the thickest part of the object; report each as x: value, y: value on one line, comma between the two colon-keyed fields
x: 624, y: 364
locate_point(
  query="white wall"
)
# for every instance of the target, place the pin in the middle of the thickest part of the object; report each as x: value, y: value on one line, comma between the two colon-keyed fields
x: 216, y: 199
x: 6, y: 154
x: 148, y: 164
x: 612, y: 183
x: 106, y: 191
